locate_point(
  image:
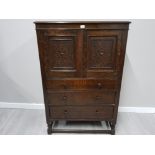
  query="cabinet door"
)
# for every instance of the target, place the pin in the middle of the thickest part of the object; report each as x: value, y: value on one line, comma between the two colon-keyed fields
x: 103, y: 49
x: 62, y: 55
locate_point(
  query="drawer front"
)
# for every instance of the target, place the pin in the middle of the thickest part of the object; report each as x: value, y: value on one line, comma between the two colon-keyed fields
x: 81, y: 84
x: 81, y: 112
x: 61, y: 98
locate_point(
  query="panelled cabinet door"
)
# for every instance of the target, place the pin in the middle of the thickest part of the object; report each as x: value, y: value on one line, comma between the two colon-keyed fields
x: 103, y: 49
x: 62, y: 54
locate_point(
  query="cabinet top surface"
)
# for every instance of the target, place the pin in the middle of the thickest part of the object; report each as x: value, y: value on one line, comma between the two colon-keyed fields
x: 82, y: 22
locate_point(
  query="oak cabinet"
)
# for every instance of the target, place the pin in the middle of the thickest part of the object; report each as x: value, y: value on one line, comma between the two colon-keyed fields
x: 81, y: 67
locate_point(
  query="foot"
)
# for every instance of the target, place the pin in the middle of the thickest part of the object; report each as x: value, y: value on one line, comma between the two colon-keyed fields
x: 49, y: 129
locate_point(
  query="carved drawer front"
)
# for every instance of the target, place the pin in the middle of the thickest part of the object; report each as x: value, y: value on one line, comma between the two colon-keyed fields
x: 98, y: 84
x: 103, y: 51
x: 62, y: 53
x: 81, y: 112
x: 62, y: 98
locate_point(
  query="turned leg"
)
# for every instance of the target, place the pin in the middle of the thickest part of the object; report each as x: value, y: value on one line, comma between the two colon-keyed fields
x: 112, y: 125
x: 49, y: 128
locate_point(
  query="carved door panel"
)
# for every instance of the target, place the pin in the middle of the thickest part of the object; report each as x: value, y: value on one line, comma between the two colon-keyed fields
x: 62, y: 54
x: 103, y: 50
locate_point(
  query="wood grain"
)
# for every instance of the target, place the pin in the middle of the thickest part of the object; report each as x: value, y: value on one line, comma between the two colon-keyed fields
x: 75, y: 62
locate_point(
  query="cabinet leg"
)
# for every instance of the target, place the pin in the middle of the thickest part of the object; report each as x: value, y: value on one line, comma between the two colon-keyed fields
x: 113, y: 131
x: 49, y: 128
x: 112, y: 128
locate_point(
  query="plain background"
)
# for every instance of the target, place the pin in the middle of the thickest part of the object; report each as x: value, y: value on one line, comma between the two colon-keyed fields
x: 77, y: 144
x: 20, y: 78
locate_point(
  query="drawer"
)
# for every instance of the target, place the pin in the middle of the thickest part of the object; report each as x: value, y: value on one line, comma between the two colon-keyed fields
x: 81, y: 112
x: 90, y: 97
x: 81, y: 84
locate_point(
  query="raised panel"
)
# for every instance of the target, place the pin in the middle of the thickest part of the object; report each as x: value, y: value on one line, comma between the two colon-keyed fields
x: 101, y: 52
x: 61, y: 53
x: 62, y: 57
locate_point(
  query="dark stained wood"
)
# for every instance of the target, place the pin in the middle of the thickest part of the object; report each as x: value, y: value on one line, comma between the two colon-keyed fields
x: 81, y: 66
x: 63, y: 47
x: 81, y: 112
x: 88, y: 25
x: 82, y: 22
x: 82, y: 98
x: 103, y: 53
x: 97, y: 84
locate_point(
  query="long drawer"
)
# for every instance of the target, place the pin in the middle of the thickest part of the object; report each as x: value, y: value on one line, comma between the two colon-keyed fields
x: 81, y: 112
x: 81, y: 84
x: 89, y: 97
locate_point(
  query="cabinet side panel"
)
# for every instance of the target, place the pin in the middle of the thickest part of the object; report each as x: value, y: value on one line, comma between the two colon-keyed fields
x: 121, y: 64
x: 41, y: 45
